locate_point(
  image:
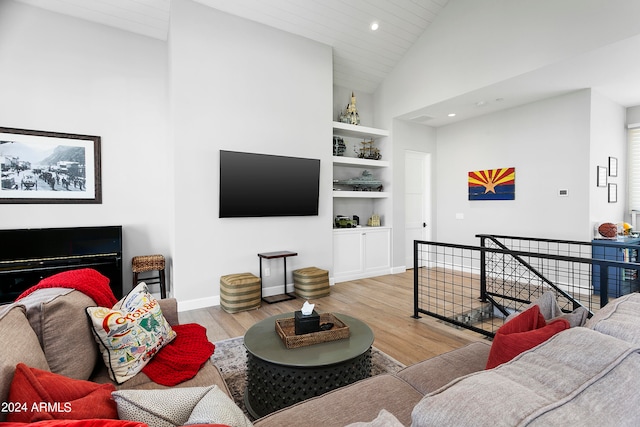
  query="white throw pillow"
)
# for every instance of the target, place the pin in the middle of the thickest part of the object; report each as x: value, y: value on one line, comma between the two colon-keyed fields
x: 179, y: 406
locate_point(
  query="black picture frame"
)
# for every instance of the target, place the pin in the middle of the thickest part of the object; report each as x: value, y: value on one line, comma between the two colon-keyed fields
x: 613, y: 166
x: 601, y: 176
x: 613, y: 193
x: 49, y: 167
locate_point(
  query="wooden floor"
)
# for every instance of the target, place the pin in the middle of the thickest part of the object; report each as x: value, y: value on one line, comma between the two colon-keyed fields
x: 385, y: 303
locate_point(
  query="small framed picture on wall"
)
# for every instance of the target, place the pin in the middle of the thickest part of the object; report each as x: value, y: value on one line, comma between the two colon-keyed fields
x: 613, y: 166
x: 602, y: 176
x: 613, y: 193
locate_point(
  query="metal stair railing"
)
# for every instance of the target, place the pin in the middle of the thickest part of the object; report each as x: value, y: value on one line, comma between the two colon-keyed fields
x: 477, y: 287
x: 484, y: 242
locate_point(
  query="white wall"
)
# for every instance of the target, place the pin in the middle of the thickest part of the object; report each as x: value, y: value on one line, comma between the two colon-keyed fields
x: 608, y: 139
x: 552, y: 143
x: 548, y: 144
x: 61, y: 74
x: 242, y: 86
x: 633, y: 115
x: 473, y: 44
x: 164, y: 110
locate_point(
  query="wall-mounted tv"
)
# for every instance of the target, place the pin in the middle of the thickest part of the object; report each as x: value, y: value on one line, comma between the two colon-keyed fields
x: 260, y: 185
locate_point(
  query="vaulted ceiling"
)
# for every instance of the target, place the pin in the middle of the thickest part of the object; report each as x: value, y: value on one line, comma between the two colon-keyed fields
x: 361, y: 57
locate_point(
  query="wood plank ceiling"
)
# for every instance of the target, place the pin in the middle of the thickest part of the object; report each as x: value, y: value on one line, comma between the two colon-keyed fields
x: 362, y: 58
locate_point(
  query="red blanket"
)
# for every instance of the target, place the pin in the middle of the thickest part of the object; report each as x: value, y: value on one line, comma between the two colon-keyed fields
x: 86, y: 280
x: 182, y: 358
x: 178, y: 361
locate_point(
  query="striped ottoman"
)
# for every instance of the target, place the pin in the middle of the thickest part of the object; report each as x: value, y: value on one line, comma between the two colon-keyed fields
x: 239, y: 292
x: 311, y: 282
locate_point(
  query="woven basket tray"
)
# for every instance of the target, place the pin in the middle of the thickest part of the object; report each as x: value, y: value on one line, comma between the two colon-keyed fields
x: 286, y: 329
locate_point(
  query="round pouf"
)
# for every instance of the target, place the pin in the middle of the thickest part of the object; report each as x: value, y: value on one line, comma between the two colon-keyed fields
x: 311, y: 282
x: 239, y: 292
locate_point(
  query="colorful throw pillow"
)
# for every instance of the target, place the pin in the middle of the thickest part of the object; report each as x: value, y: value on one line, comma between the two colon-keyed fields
x: 180, y: 406
x: 130, y: 333
x: 522, y: 333
x: 38, y: 395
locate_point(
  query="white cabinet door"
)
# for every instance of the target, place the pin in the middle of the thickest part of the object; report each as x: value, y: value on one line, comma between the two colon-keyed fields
x: 361, y: 252
x: 347, y: 253
x: 377, y: 256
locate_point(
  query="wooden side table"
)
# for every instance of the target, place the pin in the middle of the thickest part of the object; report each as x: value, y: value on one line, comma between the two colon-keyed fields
x: 271, y: 255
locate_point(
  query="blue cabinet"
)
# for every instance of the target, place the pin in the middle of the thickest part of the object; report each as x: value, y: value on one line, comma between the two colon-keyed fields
x: 621, y: 280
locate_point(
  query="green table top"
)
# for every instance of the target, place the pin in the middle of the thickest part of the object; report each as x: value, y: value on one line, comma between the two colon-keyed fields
x: 262, y: 341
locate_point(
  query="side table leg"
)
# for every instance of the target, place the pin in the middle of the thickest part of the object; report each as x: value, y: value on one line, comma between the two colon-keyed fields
x: 285, y: 275
x: 260, y: 258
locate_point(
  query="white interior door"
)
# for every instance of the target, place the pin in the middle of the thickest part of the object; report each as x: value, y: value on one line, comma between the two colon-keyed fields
x: 417, y: 196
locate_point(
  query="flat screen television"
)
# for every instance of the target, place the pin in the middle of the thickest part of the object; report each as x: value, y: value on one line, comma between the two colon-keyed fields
x: 261, y: 185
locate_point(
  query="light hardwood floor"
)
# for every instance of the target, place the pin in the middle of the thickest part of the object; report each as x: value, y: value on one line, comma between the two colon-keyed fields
x: 385, y: 303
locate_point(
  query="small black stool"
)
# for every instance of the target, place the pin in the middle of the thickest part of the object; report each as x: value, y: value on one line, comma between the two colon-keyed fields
x: 144, y: 263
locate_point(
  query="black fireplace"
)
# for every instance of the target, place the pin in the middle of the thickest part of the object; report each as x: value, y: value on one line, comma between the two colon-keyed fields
x: 29, y: 255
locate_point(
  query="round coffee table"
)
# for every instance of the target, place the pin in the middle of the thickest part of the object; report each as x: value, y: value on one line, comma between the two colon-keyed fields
x: 278, y: 377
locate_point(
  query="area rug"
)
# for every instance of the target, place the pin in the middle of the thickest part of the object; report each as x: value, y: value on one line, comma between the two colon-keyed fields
x: 231, y: 358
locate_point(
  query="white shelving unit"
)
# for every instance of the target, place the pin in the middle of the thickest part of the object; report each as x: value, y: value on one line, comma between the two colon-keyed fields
x: 345, y: 129
x: 360, y: 194
x: 364, y: 251
x: 356, y: 163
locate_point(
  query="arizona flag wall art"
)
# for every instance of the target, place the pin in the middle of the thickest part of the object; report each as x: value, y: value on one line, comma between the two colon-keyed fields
x: 493, y: 184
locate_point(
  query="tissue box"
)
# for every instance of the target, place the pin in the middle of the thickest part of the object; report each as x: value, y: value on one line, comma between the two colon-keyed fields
x: 305, y: 324
x: 286, y: 331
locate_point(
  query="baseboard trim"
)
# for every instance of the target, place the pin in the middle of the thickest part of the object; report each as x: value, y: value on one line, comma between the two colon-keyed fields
x: 195, y: 304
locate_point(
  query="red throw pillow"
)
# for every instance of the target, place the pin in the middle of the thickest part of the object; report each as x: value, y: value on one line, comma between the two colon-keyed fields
x: 38, y: 395
x: 522, y: 333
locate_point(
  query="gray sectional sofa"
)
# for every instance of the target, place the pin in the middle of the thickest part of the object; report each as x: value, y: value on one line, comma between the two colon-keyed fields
x: 585, y: 376
x: 48, y: 330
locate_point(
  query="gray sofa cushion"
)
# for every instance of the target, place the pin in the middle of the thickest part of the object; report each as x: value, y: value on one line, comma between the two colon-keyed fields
x: 20, y: 344
x: 361, y: 401
x: 209, y: 374
x: 57, y: 316
x: 560, y: 382
x: 431, y: 374
x: 620, y: 318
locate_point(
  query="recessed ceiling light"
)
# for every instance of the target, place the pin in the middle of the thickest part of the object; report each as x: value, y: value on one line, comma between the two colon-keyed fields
x: 451, y: 114
x: 374, y: 26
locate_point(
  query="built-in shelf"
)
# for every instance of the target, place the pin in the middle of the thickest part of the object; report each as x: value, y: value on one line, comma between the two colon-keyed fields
x: 345, y: 129
x: 361, y: 194
x: 356, y: 161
